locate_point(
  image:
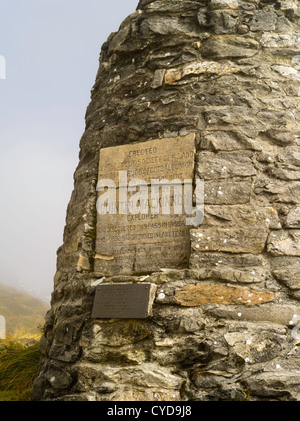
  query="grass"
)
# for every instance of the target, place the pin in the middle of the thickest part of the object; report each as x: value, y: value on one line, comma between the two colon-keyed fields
x: 19, y: 359
x: 8, y: 396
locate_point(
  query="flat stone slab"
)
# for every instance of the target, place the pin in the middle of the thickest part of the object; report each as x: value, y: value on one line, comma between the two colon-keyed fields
x: 232, y: 240
x: 195, y: 295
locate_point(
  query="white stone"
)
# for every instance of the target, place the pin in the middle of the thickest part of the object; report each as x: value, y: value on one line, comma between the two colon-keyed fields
x: 287, y: 71
x: 97, y: 282
x: 232, y: 4
x: 2, y: 327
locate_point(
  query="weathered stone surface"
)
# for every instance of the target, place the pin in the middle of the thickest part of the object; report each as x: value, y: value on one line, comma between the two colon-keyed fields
x: 256, y: 344
x: 221, y: 77
x: 287, y: 71
x: 285, y: 270
x: 280, y: 192
x: 290, y: 156
x: 123, y: 301
x: 288, y: 166
x: 263, y: 21
x: 121, y: 333
x: 204, y: 68
x: 274, y: 313
x: 284, y: 243
x: 2, y: 327
x: 290, y: 276
x: 224, y: 165
x: 159, y: 158
x: 222, y: 192
x: 223, y: 273
x: 127, y: 394
x: 281, y: 137
x: 229, y: 46
x: 284, y: 174
x: 64, y: 353
x: 72, y: 244
x: 228, y: 141
x: 281, y: 384
x: 293, y: 218
x: 224, y: 4
x: 221, y: 22
x: 158, y: 25
x: 233, y: 240
x: 241, y: 216
x: 281, y: 41
x: 83, y: 263
x: 109, y: 355
x: 146, y: 375
x: 158, y: 79
x: 58, y: 378
x: 231, y: 117
x: 195, y: 295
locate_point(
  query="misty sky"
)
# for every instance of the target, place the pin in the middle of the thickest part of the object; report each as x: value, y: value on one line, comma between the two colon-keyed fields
x: 51, y: 48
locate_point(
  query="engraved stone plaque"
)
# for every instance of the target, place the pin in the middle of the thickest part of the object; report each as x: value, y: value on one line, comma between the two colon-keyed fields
x: 128, y: 241
x: 123, y: 301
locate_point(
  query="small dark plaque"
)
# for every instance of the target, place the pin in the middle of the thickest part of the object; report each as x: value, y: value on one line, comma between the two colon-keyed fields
x: 130, y: 301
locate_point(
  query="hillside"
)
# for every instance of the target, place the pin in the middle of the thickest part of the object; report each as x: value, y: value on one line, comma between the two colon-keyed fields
x: 21, y: 310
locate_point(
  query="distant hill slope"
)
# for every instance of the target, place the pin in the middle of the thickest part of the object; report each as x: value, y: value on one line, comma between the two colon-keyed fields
x: 21, y: 310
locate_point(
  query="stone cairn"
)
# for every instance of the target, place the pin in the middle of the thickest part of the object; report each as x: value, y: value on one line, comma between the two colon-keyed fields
x: 223, y: 325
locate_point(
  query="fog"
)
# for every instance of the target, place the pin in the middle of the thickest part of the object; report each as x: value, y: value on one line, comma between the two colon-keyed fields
x: 51, y: 50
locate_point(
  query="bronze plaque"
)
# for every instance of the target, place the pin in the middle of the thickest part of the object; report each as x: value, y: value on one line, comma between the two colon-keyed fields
x: 123, y: 301
x: 141, y: 242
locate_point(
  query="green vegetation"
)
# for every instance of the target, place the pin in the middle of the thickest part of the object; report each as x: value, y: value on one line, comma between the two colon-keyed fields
x: 21, y: 310
x: 19, y: 359
x: 7, y: 396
